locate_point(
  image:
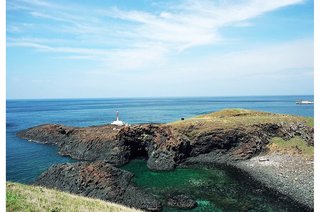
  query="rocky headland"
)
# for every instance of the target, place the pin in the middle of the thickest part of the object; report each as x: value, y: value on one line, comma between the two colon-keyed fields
x: 235, y: 137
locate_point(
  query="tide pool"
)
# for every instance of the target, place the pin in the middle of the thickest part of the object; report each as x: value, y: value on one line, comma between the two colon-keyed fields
x: 213, y: 188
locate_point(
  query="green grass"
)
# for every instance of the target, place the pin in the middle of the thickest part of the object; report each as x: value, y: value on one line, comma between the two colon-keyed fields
x: 295, y: 145
x: 14, y: 200
x: 234, y: 118
x: 20, y: 197
x: 310, y: 121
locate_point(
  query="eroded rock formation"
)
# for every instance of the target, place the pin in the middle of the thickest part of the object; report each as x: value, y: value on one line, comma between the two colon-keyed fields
x: 163, y: 146
x: 98, y: 180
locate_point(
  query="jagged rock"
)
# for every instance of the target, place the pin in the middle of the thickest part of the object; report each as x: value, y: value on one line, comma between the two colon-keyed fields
x: 235, y: 133
x: 181, y: 201
x: 89, y: 143
x: 161, y: 160
x: 98, y: 180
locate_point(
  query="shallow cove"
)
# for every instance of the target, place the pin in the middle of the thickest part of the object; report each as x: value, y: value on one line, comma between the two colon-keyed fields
x: 214, y: 188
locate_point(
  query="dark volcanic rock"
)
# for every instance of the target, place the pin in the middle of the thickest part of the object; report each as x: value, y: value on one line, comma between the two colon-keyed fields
x: 181, y: 201
x: 89, y: 143
x: 98, y: 180
x: 242, y: 143
x: 116, y: 145
x: 161, y: 160
x: 153, y: 142
x: 166, y: 146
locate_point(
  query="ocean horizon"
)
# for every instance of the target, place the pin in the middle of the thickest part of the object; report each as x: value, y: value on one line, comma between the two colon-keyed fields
x: 157, y: 97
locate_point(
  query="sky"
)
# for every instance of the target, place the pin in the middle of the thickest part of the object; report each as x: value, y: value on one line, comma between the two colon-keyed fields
x: 145, y: 48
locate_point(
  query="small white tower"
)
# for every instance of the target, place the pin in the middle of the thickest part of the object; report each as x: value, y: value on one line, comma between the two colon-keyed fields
x: 118, y: 122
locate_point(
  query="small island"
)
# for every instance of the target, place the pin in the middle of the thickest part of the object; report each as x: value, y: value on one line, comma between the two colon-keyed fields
x: 275, y: 149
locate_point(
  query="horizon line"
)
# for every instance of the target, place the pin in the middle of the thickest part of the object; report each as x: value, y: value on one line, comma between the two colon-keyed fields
x: 156, y: 97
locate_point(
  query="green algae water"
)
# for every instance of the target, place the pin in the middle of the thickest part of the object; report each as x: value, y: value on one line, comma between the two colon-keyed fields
x: 213, y: 188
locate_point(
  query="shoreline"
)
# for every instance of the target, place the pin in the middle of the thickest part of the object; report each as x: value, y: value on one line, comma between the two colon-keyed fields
x: 295, y: 180
x: 288, y: 174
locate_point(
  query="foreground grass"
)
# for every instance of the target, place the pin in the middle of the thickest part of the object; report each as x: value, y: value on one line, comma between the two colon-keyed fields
x: 296, y: 145
x: 234, y: 118
x: 20, y: 197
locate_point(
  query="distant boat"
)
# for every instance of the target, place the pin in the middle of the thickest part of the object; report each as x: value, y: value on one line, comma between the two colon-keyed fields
x: 303, y: 102
x: 118, y: 122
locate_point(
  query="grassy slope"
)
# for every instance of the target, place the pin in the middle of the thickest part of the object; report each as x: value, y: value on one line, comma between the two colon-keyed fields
x: 233, y: 118
x: 22, y: 197
x: 296, y: 145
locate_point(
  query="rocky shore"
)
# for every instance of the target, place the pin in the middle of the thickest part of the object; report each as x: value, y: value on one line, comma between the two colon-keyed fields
x: 227, y: 137
x: 100, y: 180
x: 289, y: 174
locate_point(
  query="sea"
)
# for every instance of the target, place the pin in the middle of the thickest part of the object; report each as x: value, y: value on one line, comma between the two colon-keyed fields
x: 25, y: 160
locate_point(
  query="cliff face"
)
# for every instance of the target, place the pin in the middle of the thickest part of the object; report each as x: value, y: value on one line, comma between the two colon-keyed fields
x: 232, y: 134
x: 159, y: 144
x: 90, y: 143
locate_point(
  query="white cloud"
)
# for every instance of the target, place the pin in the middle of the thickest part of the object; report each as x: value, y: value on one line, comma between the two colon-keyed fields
x: 264, y: 59
x: 133, y: 39
x: 285, y: 60
x: 196, y: 22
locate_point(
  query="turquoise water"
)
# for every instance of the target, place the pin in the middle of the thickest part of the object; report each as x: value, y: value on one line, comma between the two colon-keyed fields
x: 213, y: 188
x: 25, y: 160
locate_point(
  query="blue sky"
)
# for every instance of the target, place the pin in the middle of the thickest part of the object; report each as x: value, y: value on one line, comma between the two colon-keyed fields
x: 125, y: 48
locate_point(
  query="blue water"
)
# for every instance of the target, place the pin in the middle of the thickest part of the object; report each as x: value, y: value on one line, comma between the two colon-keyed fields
x: 26, y: 160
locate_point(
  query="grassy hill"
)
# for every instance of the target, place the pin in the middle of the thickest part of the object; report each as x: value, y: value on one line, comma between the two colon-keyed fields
x: 20, y: 197
x: 234, y: 118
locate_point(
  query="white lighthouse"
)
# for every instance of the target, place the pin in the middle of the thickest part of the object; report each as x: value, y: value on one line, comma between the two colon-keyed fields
x: 118, y: 122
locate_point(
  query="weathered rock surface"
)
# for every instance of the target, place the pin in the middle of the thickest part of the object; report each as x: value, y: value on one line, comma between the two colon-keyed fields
x: 167, y: 145
x: 117, y: 145
x: 98, y: 180
x: 181, y: 201
x: 90, y: 143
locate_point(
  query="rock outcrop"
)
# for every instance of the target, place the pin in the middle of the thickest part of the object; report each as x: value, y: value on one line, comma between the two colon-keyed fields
x: 181, y: 201
x: 98, y: 180
x: 238, y: 136
x: 89, y: 143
